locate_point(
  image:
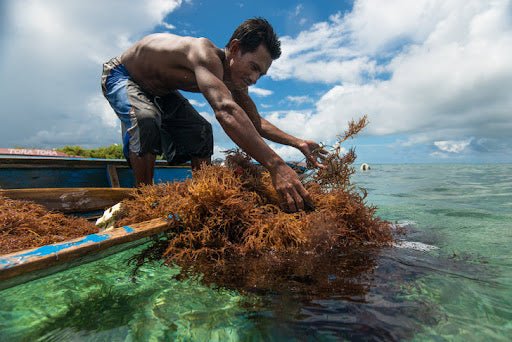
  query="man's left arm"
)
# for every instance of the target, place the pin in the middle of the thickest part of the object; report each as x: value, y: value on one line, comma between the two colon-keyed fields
x: 310, y: 149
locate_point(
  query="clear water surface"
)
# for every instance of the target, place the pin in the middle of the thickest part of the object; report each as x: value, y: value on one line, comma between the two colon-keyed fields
x: 460, y: 291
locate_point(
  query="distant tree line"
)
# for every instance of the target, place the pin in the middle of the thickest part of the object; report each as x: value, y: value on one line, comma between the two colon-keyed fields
x: 114, y: 151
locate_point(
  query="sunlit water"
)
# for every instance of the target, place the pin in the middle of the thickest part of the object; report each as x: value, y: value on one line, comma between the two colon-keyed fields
x: 462, y: 290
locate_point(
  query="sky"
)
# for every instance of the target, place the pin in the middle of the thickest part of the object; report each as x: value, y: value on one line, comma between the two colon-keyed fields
x: 434, y: 77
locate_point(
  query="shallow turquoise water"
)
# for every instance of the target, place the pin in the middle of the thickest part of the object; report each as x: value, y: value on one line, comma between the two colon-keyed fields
x: 466, y: 211
x: 460, y: 291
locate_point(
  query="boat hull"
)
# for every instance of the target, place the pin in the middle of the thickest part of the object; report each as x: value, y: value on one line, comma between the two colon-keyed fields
x: 46, y: 172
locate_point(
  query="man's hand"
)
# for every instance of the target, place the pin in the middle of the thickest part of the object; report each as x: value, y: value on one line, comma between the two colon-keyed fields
x: 313, y: 152
x: 294, y: 196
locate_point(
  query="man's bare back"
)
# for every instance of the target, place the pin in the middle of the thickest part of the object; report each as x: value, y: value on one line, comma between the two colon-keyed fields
x: 164, y: 62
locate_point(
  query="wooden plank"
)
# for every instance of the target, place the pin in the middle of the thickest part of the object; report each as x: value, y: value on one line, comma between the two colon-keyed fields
x: 60, y: 254
x: 71, y: 199
x: 112, y: 176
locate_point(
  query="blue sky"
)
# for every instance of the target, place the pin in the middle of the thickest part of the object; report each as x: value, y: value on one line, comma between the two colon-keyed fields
x: 434, y: 77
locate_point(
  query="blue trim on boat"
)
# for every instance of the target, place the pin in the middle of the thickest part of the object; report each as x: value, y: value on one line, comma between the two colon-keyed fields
x: 7, y: 262
x: 128, y: 229
x: 23, y: 266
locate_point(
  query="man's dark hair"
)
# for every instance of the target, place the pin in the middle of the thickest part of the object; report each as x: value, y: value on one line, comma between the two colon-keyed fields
x: 253, y: 32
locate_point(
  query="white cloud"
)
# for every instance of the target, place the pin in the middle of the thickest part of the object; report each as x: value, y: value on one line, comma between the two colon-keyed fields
x: 320, y: 54
x: 218, y: 151
x: 168, y: 26
x: 310, y: 68
x: 196, y: 103
x: 209, y: 117
x: 425, y: 69
x: 260, y: 91
x: 51, y: 66
x: 288, y: 153
x: 452, y: 146
x: 298, y: 9
x: 100, y: 107
x: 293, y: 121
x: 299, y: 99
x: 376, y: 28
x: 441, y: 155
x: 158, y: 9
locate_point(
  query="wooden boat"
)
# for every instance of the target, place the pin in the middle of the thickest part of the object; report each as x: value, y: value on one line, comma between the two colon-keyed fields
x: 22, y: 266
x: 82, y: 186
x: 74, y: 185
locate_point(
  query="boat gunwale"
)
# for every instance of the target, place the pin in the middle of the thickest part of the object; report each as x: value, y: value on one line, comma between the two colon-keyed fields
x: 55, y: 257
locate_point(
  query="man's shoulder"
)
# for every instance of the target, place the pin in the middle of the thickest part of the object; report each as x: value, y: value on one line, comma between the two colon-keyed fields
x: 202, y: 50
x: 204, y: 45
x: 204, y: 42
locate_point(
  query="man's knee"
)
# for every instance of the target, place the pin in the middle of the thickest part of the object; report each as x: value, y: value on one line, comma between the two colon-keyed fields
x: 149, y: 141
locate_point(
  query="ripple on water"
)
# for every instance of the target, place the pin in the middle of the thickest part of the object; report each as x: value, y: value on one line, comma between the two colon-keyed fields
x: 460, y: 213
x: 469, y: 214
x: 402, y: 195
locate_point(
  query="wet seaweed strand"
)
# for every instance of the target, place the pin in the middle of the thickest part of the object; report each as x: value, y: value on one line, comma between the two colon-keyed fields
x: 225, y: 213
x: 24, y: 224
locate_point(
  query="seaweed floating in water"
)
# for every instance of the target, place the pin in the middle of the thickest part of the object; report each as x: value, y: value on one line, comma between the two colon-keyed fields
x: 25, y: 224
x: 226, y: 216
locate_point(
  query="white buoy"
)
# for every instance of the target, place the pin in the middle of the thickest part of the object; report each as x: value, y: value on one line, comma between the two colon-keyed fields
x: 365, y: 167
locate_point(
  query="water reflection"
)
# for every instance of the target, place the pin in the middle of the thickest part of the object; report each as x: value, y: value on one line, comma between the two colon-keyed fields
x: 356, y: 294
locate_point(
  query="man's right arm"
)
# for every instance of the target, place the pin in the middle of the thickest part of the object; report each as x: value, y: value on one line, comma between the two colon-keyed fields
x: 241, y: 130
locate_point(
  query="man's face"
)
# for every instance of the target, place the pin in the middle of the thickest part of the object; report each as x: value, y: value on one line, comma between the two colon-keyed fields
x: 247, y: 68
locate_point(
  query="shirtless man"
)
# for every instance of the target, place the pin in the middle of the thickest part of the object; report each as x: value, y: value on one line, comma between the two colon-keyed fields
x: 142, y: 87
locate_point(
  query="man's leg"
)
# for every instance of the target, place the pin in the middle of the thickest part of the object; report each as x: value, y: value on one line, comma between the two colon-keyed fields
x: 143, y: 168
x: 140, y: 120
x: 185, y: 134
x: 197, y: 162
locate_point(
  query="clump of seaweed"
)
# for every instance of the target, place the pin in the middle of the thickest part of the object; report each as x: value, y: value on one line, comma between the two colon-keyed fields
x: 228, y: 217
x: 25, y: 224
x: 339, y: 167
